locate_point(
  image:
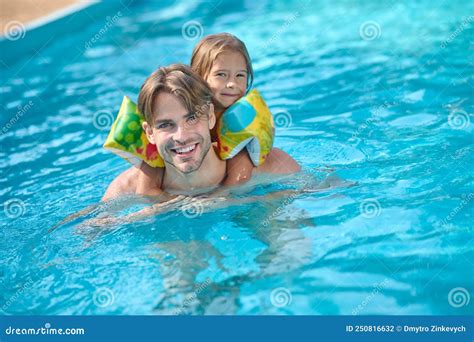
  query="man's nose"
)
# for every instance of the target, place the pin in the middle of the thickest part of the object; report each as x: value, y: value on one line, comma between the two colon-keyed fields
x: 181, y: 133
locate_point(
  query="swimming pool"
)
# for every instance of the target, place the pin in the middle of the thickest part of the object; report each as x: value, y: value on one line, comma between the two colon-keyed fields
x: 381, y: 93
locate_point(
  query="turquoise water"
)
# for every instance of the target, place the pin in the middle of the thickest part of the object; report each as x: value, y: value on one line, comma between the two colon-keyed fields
x: 378, y: 95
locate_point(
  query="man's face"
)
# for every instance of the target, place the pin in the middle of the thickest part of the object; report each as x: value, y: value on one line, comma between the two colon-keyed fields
x: 182, y: 138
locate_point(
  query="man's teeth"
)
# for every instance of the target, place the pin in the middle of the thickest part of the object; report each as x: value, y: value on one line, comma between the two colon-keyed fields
x: 185, y: 149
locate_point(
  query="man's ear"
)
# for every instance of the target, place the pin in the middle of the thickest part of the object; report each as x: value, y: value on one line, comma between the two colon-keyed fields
x: 149, y: 132
x: 212, y: 116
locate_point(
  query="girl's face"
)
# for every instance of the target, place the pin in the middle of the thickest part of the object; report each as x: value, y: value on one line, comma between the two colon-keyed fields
x: 228, y: 78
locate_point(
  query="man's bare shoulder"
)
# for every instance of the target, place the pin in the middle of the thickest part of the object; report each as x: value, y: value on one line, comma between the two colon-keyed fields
x: 279, y: 162
x: 124, y: 183
x: 149, y: 180
x: 143, y: 180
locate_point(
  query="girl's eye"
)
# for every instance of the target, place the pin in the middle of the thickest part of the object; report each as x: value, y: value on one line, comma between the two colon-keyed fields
x: 220, y: 74
x: 241, y: 75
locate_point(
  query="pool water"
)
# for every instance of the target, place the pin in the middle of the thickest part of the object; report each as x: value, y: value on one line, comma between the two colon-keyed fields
x: 374, y: 100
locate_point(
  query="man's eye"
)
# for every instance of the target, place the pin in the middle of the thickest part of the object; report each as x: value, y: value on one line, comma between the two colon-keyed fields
x: 163, y: 125
x: 192, y: 118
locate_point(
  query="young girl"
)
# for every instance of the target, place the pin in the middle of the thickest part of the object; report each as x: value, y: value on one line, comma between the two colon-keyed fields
x: 223, y: 61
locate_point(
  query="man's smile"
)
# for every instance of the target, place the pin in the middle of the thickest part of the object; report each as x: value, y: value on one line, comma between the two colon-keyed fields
x: 184, y: 151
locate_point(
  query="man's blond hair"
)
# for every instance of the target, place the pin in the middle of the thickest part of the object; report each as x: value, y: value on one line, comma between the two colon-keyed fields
x: 178, y: 80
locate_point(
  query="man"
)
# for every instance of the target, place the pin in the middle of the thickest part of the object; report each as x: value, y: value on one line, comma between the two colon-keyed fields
x: 179, y: 116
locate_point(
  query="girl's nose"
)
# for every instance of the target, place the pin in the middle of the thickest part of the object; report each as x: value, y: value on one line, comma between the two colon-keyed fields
x: 230, y: 84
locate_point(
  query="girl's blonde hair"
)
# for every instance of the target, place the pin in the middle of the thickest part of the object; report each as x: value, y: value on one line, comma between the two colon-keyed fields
x: 208, y: 48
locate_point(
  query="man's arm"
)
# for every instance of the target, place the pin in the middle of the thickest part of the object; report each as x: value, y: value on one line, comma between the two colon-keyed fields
x: 123, y: 183
x: 279, y: 162
x: 239, y: 169
x: 144, y: 180
x: 149, y: 180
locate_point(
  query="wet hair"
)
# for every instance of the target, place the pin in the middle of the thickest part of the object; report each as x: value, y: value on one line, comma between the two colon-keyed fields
x: 208, y: 49
x: 178, y: 80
